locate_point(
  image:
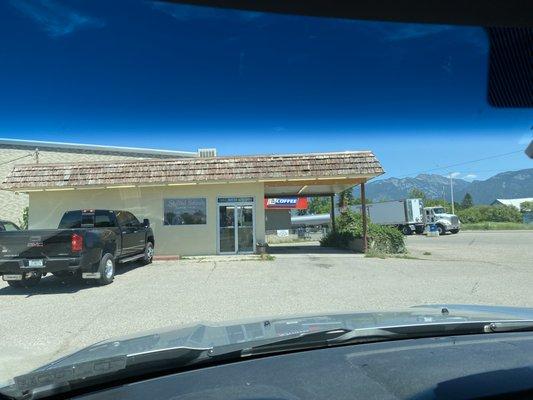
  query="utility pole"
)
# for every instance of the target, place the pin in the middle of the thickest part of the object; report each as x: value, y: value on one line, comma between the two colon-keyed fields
x: 451, y: 190
x: 363, y: 215
x: 36, y: 155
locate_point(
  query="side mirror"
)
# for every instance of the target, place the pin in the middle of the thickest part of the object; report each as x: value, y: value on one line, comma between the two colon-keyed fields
x: 146, y: 222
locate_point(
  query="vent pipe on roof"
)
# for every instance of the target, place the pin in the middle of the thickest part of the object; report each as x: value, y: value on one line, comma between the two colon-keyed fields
x: 205, y: 153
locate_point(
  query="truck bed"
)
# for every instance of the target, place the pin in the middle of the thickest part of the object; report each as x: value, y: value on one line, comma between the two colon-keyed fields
x: 36, y: 243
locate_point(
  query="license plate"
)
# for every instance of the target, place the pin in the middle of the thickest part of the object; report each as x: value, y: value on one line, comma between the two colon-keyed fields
x: 35, y: 263
x: 90, y: 275
x: 12, y: 277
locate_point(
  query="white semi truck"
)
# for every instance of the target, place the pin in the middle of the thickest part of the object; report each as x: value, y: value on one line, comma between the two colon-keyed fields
x: 410, y: 216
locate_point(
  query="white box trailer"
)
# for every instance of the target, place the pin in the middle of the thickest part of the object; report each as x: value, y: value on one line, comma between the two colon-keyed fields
x: 407, y: 215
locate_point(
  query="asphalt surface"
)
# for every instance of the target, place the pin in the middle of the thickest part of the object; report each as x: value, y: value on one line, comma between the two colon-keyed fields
x: 57, y: 317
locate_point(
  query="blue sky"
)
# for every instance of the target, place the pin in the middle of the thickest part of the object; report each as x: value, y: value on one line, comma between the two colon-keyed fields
x: 141, y: 73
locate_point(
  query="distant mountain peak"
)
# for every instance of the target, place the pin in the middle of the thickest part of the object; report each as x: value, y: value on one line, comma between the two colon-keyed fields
x: 509, y: 184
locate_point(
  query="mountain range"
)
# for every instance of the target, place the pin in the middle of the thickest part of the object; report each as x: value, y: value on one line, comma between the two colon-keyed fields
x: 506, y: 185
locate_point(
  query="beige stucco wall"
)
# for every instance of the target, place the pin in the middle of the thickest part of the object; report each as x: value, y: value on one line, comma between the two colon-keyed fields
x: 46, y: 209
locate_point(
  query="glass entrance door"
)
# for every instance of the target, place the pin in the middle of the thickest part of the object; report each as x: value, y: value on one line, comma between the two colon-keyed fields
x: 226, y: 216
x: 236, y: 231
x: 245, y: 229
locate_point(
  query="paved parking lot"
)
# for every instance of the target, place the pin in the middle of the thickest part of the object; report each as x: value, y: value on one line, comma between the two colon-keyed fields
x: 60, y: 316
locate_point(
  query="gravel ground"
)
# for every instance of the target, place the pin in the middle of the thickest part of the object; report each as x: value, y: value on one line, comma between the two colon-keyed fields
x: 57, y: 317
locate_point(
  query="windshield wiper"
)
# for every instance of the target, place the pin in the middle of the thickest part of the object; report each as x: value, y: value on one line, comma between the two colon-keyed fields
x: 509, y: 326
x: 386, y: 333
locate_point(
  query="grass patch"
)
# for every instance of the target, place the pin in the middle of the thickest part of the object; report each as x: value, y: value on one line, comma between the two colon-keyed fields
x: 373, y: 253
x: 427, y: 253
x: 267, y: 257
x: 494, y: 226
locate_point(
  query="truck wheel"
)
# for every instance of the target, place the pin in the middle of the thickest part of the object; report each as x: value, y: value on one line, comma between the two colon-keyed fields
x: 454, y: 231
x: 441, y: 229
x: 106, y: 269
x: 15, y: 284
x: 406, y: 230
x: 148, y: 253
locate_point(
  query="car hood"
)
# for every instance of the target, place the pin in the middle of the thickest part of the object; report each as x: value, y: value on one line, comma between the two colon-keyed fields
x: 207, y: 335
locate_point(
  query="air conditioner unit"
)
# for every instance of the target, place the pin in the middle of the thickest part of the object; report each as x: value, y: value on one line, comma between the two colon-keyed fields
x: 205, y: 153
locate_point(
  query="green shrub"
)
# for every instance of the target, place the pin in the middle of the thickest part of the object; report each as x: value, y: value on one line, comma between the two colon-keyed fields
x: 336, y: 239
x: 387, y: 239
x: 490, y: 214
x: 349, y: 226
x: 23, y: 222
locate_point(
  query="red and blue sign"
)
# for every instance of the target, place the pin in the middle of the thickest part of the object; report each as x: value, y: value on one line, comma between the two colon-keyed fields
x: 298, y: 203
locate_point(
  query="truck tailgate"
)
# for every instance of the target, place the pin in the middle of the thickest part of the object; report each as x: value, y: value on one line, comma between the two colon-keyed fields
x: 39, y: 243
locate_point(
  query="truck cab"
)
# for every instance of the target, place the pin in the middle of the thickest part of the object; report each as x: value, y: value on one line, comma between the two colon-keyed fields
x: 444, y: 221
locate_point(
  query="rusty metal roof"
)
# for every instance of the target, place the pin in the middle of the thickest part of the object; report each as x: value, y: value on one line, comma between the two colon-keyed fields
x: 353, y: 164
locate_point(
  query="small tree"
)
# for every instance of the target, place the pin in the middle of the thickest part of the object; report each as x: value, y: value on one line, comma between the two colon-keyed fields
x: 319, y: 205
x: 23, y: 221
x: 467, y: 201
x: 526, y: 206
x: 346, y: 199
x: 416, y: 193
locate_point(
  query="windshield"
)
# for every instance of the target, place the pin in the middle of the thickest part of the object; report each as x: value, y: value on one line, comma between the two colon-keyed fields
x: 260, y: 166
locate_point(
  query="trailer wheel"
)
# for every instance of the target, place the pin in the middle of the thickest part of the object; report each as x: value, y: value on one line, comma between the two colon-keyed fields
x: 406, y: 230
x: 106, y: 269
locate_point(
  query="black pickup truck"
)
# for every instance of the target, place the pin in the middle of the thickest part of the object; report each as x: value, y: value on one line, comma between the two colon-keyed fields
x: 87, y: 243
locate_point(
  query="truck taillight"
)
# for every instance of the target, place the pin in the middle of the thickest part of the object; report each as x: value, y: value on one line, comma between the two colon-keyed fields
x: 76, y: 242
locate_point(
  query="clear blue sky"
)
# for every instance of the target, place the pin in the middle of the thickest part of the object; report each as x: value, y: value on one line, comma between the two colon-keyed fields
x: 141, y: 73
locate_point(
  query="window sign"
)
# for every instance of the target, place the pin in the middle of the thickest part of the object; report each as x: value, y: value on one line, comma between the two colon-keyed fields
x: 185, y: 211
x: 235, y: 199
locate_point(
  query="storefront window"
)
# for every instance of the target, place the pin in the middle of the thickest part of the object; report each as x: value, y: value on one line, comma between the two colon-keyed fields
x: 185, y: 211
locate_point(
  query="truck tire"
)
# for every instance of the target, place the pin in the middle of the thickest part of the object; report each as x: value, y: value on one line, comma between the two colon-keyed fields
x: 406, y: 230
x: 148, y: 253
x: 106, y: 269
x: 454, y: 231
x: 441, y: 229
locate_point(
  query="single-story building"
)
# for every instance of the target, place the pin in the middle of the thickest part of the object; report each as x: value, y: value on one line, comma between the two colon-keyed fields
x: 196, y: 206
x: 16, y: 151
x: 511, y: 202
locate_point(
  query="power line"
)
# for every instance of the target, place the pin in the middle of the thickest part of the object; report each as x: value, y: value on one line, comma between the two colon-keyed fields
x: 18, y: 158
x: 463, y: 163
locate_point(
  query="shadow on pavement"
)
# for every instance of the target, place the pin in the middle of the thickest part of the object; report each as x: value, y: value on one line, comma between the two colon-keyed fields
x: 54, y: 285
x: 304, y: 248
